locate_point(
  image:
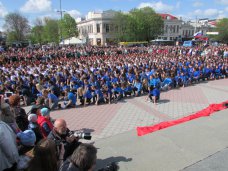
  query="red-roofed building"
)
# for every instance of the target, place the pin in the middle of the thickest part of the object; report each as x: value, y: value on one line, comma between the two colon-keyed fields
x: 168, y: 17
x: 172, y: 26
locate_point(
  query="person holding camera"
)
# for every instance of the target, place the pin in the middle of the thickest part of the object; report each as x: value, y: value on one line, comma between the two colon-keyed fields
x: 65, y: 142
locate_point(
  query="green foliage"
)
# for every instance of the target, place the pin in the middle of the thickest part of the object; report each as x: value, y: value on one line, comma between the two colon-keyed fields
x: 37, y: 32
x: 138, y: 25
x: 50, y: 31
x: 68, y: 27
x: 16, y: 26
x: 222, y: 28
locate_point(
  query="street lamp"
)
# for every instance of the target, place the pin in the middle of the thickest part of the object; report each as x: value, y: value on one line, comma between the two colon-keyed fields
x: 61, y: 15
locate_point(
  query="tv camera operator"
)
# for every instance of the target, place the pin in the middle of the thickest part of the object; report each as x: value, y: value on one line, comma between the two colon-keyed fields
x: 66, y: 141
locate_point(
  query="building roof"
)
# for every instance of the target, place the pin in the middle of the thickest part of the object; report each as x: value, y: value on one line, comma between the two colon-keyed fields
x: 168, y: 17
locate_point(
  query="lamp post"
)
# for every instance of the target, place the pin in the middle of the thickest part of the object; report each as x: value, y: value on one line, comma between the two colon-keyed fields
x: 61, y: 17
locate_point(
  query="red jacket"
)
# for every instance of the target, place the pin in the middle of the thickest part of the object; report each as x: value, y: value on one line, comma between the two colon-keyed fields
x: 41, y: 121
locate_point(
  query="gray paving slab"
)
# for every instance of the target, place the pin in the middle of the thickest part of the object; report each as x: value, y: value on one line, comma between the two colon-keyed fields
x: 169, y: 149
x: 215, y: 162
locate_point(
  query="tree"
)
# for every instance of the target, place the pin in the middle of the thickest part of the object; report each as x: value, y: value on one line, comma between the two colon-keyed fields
x: 51, y: 31
x: 68, y: 26
x: 122, y: 27
x: 222, y: 28
x: 37, y: 32
x: 16, y: 26
x: 138, y: 25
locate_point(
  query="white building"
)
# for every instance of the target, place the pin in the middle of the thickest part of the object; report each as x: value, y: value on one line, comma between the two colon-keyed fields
x: 96, y: 28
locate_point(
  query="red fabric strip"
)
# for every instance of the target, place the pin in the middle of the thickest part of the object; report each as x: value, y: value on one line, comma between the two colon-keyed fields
x: 205, y: 112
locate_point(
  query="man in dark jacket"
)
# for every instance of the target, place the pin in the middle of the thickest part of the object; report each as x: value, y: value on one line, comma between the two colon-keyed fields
x: 65, y: 143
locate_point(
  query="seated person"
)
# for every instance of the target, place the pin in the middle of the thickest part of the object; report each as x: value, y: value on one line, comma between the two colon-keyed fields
x: 107, y: 94
x: 150, y: 94
x: 137, y: 87
x: 71, y: 97
x: 99, y: 98
x: 118, y: 92
x: 87, y: 94
x: 51, y: 99
x: 167, y: 83
x: 127, y: 89
x: 156, y: 95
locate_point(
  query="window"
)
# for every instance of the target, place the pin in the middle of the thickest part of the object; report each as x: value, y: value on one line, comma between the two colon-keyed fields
x: 98, y: 28
x: 174, y: 29
x: 177, y: 28
x: 166, y: 28
x: 107, y: 28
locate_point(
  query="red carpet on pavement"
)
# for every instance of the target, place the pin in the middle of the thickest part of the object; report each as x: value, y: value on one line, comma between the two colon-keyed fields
x: 205, y: 112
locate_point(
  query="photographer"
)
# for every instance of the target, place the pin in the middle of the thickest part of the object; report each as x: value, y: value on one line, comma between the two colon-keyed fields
x: 64, y: 141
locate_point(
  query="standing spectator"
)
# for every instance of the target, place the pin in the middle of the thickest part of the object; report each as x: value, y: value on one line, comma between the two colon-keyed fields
x: 44, y: 122
x: 26, y: 142
x: 8, y: 148
x: 7, y: 115
x: 65, y: 143
x: 83, y: 159
x: 44, y: 157
x: 19, y: 113
x: 33, y: 125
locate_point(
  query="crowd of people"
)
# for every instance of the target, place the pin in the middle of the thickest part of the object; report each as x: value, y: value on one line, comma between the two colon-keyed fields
x: 85, y: 76
x: 36, y: 142
x: 94, y: 75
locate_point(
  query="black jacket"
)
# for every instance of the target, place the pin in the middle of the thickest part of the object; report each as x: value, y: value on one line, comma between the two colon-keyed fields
x: 59, y: 139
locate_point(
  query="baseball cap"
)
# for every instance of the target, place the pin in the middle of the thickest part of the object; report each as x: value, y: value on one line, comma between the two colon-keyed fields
x: 27, y: 138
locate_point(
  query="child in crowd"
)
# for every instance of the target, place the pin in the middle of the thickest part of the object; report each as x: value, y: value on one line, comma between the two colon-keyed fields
x: 45, y: 122
x: 34, y: 126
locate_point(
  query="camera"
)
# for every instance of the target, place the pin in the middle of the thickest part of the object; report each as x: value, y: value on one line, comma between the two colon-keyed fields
x: 81, y: 135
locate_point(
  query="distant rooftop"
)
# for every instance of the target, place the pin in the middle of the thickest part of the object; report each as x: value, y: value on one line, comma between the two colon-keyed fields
x: 168, y: 17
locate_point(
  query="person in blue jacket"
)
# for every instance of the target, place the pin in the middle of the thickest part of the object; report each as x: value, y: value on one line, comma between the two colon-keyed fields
x: 117, y: 91
x: 137, y: 87
x: 71, y: 99
x: 98, y: 95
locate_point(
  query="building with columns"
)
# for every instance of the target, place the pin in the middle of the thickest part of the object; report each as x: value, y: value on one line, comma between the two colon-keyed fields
x: 97, y: 29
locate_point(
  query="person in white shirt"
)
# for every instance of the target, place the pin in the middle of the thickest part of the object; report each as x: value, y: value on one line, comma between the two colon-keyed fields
x: 8, y: 148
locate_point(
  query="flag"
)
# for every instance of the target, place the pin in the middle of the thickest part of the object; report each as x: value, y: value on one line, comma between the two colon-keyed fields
x: 198, y: 34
